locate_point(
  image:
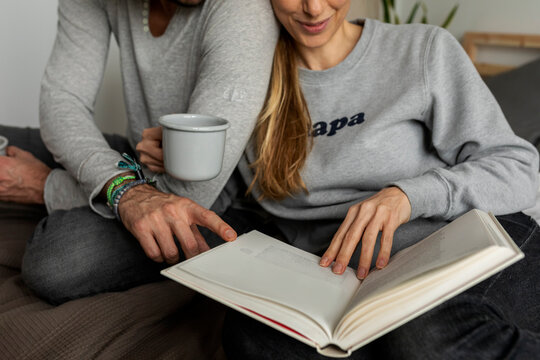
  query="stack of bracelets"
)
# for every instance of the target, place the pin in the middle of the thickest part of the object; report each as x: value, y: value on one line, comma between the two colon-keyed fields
x: 120, y: 185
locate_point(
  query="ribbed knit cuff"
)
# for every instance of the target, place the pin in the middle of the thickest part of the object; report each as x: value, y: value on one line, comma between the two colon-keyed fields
x: 62, y: 192
x: 428, y: 194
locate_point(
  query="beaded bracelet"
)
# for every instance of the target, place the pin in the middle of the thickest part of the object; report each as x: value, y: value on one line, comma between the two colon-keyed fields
x: 122, y: 191
x: 116, y: 182
x: 117, y: 191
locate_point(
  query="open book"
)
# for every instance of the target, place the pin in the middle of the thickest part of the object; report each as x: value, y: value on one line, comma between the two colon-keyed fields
x: 284, y: 287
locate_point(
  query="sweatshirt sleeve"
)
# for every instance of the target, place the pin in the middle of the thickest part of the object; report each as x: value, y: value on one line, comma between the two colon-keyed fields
x: 234, y: 72
x: 488, y: 166
x: 68, y: 91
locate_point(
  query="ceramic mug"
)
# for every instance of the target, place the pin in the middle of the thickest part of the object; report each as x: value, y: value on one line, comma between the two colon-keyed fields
x: 3, y: 145
x: 193, y: 145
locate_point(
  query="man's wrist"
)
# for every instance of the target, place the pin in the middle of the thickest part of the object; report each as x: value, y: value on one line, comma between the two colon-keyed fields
x: 118, y: 194
x: 130, y: 194
x: 118, y: 186
x: 103, y: 193
x: 40, y: 190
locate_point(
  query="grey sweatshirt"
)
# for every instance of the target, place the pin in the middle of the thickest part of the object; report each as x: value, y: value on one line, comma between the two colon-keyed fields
x: 213, y: 59
x: 407, y: 108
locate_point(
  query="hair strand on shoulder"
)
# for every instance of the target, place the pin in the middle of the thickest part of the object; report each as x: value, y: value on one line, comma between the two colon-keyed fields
x: 282, y: 135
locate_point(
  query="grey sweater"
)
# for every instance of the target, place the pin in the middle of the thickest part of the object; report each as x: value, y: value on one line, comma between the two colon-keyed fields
x: 407, y: 108
x: 213, y: 59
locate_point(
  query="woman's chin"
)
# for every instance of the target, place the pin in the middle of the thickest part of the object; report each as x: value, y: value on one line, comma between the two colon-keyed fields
x: 312, y: 41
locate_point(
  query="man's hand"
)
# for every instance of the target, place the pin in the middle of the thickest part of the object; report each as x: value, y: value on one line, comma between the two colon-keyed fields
x: 383, y: 212
x: 151, y: 152
x: 154, y: 217
x: 22, y: 177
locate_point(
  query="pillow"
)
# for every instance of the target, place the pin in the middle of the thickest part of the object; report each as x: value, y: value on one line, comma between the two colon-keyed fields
x: 518, y: 93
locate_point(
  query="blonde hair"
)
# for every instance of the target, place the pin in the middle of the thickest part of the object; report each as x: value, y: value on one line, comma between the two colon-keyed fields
x: 282, y: 135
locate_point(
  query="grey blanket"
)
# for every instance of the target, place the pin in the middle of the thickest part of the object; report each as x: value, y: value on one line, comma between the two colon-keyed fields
x: 156, y: 321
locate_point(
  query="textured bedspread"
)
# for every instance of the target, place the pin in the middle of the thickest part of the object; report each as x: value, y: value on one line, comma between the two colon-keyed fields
x: 156, y: 321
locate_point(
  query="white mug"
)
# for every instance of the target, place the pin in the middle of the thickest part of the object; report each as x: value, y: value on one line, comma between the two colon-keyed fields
x: 3, y: 145
x: 193, y: 145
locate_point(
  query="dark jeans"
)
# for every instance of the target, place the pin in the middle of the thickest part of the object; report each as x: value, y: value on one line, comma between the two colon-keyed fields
x: 496, y: 319
x: 77, y: 253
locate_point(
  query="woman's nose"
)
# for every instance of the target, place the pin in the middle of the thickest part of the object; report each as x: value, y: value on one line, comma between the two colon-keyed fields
x: 314, y: 8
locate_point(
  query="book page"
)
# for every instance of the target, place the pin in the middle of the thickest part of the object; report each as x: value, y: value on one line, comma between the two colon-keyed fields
x: 384, y: 309
x: 382, y: 314
x: 460, y: 238
x: 274, y: 314
x: 264, y: 267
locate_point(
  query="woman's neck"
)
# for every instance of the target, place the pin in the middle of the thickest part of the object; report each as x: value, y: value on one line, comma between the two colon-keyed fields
x: 334, y: 51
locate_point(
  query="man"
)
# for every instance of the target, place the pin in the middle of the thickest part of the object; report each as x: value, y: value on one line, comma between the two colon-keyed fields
x: 187, y: 56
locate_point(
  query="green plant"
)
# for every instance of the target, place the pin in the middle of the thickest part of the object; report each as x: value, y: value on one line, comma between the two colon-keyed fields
x: 391, y: 16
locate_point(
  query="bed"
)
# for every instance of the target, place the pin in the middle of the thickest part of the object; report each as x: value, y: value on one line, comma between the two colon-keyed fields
x: 161, y: 320
x: 155, y: 321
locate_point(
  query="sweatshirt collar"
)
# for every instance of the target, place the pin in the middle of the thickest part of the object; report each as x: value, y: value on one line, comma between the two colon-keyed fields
x: 317, y: 77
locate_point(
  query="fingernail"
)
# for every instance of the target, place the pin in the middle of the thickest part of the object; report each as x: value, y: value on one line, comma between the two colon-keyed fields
x: 381, y: 263
x: 229, y: 234
x: 338, y: 268
x: 324, y: 261
x: 361, y: 273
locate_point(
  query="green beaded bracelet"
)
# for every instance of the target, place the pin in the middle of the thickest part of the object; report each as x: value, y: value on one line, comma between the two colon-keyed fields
x: 116, y: 182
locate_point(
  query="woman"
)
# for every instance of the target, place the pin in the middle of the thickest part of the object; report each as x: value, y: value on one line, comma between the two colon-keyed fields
x: 374, y: 136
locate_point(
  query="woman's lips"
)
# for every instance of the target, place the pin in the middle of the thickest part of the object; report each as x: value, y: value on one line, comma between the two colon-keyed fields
x: 315, y: 28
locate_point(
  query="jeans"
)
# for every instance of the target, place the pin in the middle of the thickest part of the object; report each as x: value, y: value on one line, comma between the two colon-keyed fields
x: 77, y: 253
x: 496, y: 319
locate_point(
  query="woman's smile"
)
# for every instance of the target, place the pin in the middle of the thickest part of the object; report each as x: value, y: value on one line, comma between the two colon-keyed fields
x: 315, y: 27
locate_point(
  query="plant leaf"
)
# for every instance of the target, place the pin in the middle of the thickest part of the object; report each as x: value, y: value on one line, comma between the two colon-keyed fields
x: 413, y: 12
x: 386, y: 8
x: 450, y: 16
x: 424, y: 19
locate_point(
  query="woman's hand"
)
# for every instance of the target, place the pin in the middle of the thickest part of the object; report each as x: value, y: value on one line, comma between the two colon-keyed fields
x: 153, y: 217
x: 151, y: 152
x: 383, y: 212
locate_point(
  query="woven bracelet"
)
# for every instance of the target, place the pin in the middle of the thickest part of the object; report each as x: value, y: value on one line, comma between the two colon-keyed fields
x: 116, y: 182
x: 132, y: 165
x: 122, y: 191
x: 114, y: 197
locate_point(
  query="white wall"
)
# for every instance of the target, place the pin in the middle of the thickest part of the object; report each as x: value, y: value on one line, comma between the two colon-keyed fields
x: 27, y: 32
x: 507, y: 16
x: 363, y: 9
